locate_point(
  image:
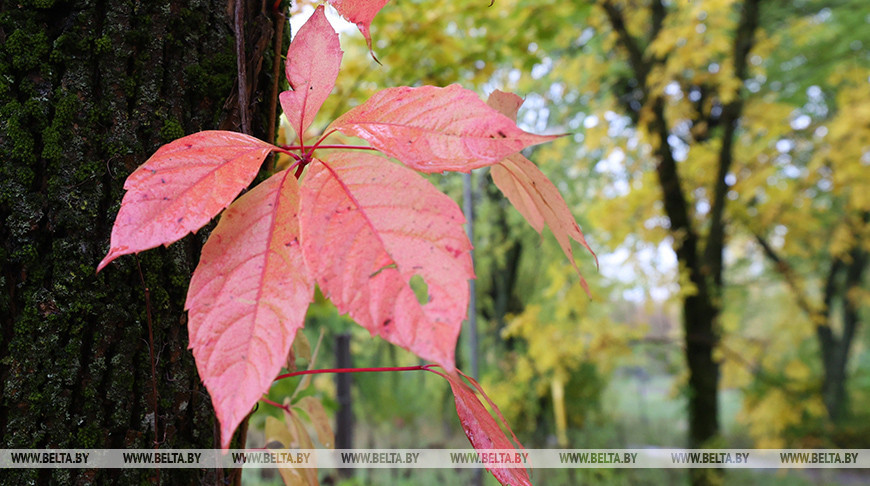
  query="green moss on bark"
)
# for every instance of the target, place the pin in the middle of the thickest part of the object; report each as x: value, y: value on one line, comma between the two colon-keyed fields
x: 88, y: 91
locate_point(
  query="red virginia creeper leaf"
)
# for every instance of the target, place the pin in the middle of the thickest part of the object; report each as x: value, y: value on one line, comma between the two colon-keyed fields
x: 248, y: 297
x: 361, y: 13
x: 182, y: 187
x: 492, y: 405
x: 482, y: 430
x: 434, y: 129
x: 532, y: 193
x: 368, y: 226
x: 313, y: 60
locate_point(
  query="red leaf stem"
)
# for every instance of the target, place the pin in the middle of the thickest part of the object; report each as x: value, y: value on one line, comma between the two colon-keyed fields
x: 352, y: 370
x: 275, y: 404
x: 345, y: 147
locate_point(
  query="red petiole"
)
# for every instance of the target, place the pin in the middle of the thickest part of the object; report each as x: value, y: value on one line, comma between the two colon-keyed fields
x: 348, y: 147
x: 354, y: 370
x: 305, y: 157
x: 309, y: 151
x: 275, y: 404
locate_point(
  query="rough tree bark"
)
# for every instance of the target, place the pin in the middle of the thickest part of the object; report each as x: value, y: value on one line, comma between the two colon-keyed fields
x: 88, y: 90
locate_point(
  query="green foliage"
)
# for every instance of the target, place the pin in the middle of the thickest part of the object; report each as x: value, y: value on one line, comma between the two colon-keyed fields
x: 74, y: 361
x: 171, y: 130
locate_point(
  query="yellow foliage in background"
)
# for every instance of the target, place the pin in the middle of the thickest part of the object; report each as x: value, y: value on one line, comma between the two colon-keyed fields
x: 773, y: 413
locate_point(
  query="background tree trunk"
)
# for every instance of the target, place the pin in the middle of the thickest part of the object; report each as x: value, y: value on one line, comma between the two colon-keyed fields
x: 835, y: 348
x: 89, y: 90
x: 700, y: 256
x: 844, y: 280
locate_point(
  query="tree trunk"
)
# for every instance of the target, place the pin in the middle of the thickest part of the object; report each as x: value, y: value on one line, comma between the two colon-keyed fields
x: 701, y: 258
x: 835, y: 349
x: 701, y: 340
x: 89, y: 90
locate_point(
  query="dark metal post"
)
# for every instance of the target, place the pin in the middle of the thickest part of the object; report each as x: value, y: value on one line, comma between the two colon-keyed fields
x: 344, y: 417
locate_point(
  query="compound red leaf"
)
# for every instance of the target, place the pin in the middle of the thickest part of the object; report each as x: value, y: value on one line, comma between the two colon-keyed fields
x: 532, y: 193
x: 248, y: 297
x: 182, y: 187
x: 361, y: 13
x: 368, y: 227
x: 434, y: 129
x: 482, y: 430
x: 313, y: 61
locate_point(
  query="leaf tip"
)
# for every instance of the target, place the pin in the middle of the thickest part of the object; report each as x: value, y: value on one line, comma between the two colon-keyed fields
x: 102, y: 264
x: 585, y: 286
x: 364, y: 30
x: 113, y: 253
x: 226, y: 436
